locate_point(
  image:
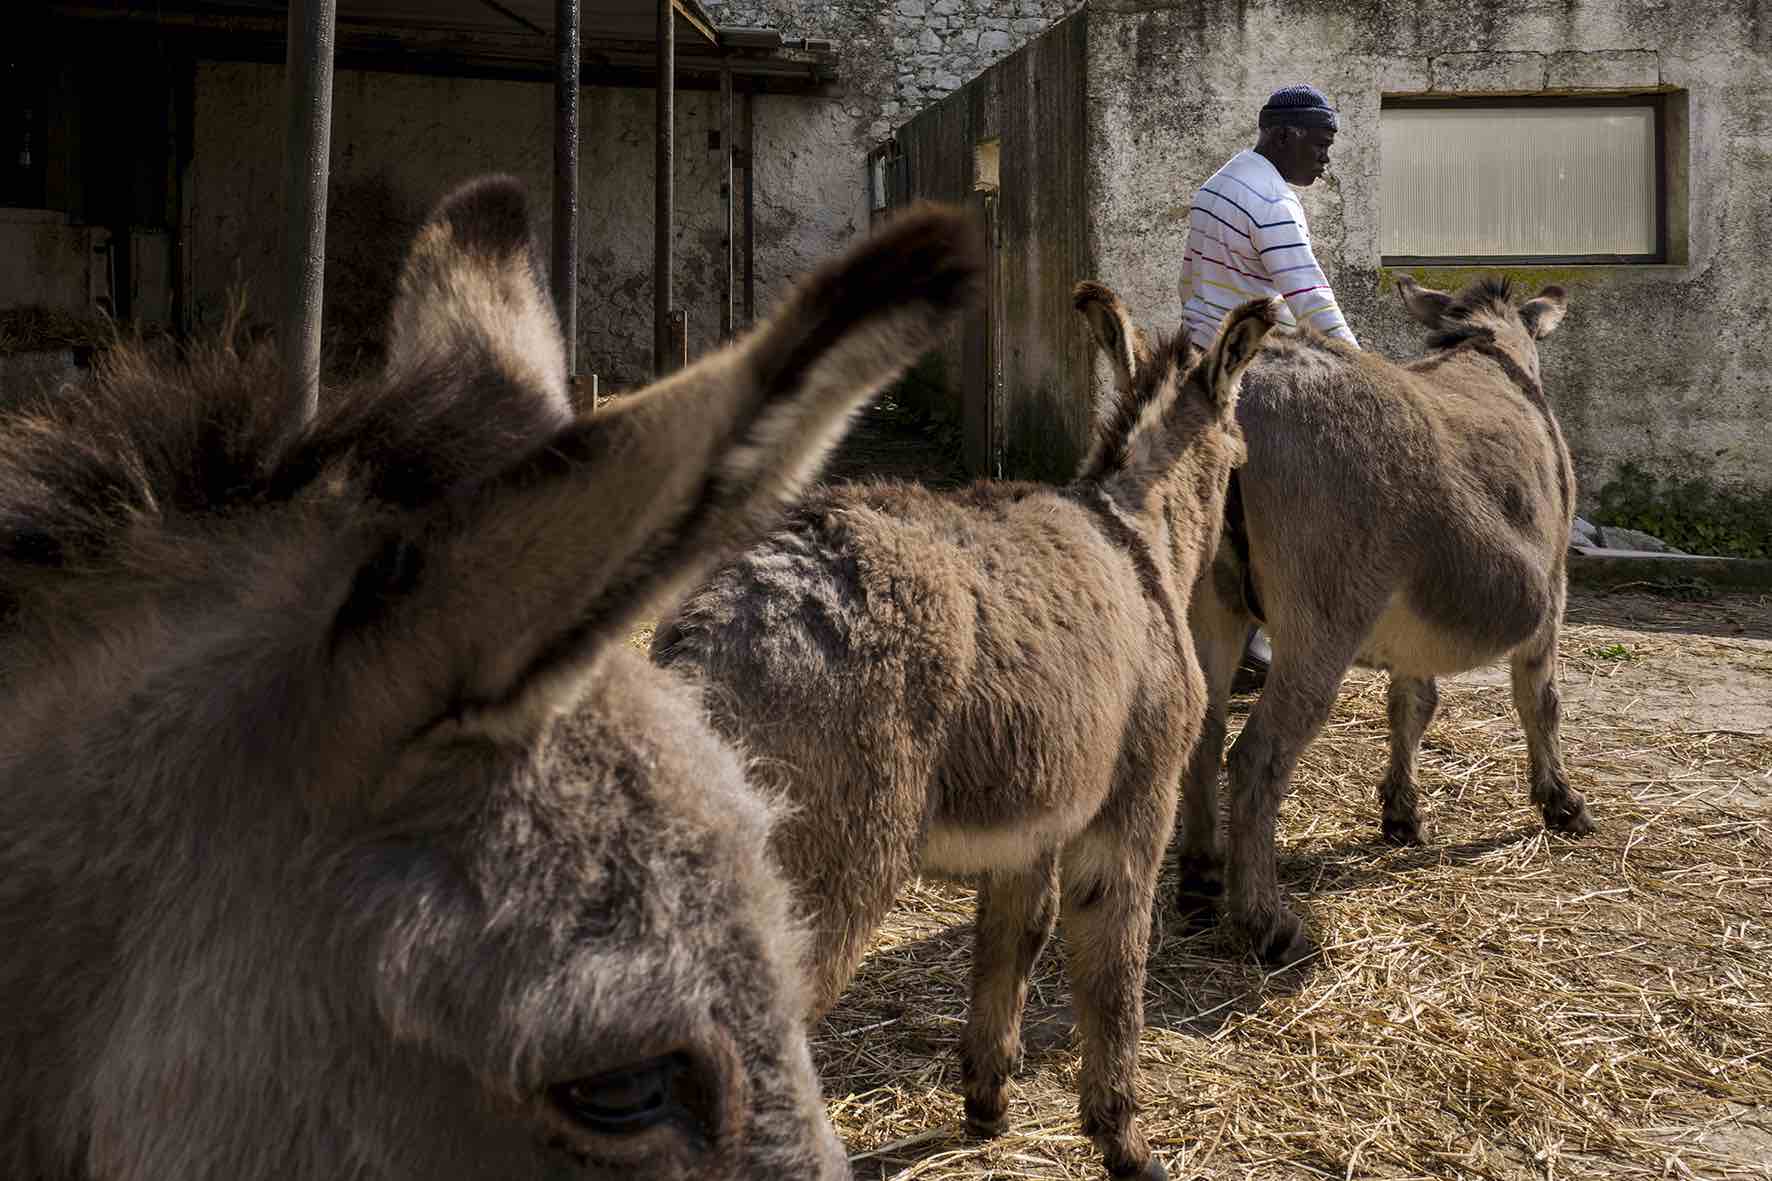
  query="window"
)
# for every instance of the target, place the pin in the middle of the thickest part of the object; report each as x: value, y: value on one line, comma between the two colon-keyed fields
x: 1580, y: 180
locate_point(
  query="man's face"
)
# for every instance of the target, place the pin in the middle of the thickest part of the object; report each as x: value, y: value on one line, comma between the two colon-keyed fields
x: 1303, y: 154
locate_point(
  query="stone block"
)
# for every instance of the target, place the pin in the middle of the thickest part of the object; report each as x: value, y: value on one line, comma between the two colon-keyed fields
x: 1480, y: 73
x: 1405, y: 75
x: 1624, y: 69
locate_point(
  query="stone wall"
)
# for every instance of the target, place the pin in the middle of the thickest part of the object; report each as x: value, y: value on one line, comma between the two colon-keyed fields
x: 897, y: 56
x: 1668, y: 366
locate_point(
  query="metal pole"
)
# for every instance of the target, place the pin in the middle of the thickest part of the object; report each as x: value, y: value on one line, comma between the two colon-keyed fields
x: 566, y: 48
x: 307, y: 147
x: 727, y: 310
x: 661, y: 184
x: 750, y: 211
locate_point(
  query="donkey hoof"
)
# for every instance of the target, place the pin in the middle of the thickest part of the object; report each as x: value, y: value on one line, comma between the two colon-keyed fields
x: 1404, y: 830
x: 1151, y: 1170
x: 986, y: 1122
x: 1572, y: 818
x: 1198, y: 912
x: 1199, y: 892
x: 1285, y: 943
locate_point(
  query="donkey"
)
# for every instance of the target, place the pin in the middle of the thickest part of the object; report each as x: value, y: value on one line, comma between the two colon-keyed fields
x: 344, y: 833
x: 1413, y: 517
x: 993, y: 681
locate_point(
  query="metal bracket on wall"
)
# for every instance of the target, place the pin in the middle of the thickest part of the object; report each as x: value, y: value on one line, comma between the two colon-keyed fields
x: 679, y: 338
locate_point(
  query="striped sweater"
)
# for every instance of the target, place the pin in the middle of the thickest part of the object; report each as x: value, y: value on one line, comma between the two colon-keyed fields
x: 1247, y: 239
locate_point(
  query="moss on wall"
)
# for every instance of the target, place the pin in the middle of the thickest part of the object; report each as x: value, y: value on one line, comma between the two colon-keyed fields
x: 1692, y: 515
x: 1528, y: 280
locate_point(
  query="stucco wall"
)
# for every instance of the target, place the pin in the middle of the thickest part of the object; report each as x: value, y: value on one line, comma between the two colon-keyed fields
x: 1669, y: 366
x: 399, y: 142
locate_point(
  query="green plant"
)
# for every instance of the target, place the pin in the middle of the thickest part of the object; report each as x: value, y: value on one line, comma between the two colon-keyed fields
x: 1692, y: 515
x: 1610, y: 652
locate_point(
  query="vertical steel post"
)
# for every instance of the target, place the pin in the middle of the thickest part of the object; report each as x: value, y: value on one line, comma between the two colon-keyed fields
x: 750, y: 210
x: 307, y: 146
x: 662, y: 191
x: 565, y: 265
x: 727, y: 148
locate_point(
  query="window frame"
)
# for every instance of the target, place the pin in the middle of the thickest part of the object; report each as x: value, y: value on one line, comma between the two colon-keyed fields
x: 1656, y: 101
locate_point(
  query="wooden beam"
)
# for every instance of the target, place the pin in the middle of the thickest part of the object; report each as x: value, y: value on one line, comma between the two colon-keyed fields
x: 692, y: 13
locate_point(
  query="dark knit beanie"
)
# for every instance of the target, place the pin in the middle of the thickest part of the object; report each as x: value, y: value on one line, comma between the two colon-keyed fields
x: 1298, y: 106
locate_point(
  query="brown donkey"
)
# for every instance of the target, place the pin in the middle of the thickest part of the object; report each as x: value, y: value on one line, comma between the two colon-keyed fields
x: 1413, y: 517
x: 996, y: 681
x: 341, y: 832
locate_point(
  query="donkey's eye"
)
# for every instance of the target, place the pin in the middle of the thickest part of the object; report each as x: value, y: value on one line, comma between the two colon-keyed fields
x: 626, y: 1101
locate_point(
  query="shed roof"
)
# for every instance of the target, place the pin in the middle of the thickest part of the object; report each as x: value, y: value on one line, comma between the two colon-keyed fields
x: 497, y: 37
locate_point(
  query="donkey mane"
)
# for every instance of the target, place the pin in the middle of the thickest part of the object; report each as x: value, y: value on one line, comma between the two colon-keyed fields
x: 1473, y: 313
x: 148, y: 442
x: 1124, y: 416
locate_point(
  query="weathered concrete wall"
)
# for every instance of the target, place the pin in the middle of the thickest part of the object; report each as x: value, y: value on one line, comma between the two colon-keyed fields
x: 1023, y: 356
x: 399, y: 142
x: 42, y: 260
x: 1669, y: 366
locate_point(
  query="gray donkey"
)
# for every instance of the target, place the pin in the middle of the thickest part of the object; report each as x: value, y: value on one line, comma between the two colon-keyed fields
x: 995, y: 681
x: 1413, y: 517
x: 341, y: 832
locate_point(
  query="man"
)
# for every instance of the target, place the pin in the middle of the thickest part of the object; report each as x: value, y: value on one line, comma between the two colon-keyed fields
x: 1247, y: 238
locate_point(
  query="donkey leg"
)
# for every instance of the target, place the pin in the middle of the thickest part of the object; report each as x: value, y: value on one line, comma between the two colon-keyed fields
x: 1016, y: 913
x: 1534, y: 670
x: 1110, y: 881
x: 1219, y: 632
x: 1412, y: 703
x: 1294, y: 704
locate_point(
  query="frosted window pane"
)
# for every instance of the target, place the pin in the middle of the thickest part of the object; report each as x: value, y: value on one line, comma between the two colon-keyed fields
x: 1517, y: 180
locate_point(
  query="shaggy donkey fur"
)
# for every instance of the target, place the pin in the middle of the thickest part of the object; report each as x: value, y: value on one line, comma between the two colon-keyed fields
x: 996, y: 681
x: 1410, y: 516
x: 341, y: 834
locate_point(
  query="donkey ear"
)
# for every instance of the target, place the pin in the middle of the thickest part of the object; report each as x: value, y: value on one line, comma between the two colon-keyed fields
x: 1424, y: 303
x: 1112, y: 328
x: 1238, y: 343
x: 491, y: 612
x: 472, y: 294
x: 1542, y: 313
